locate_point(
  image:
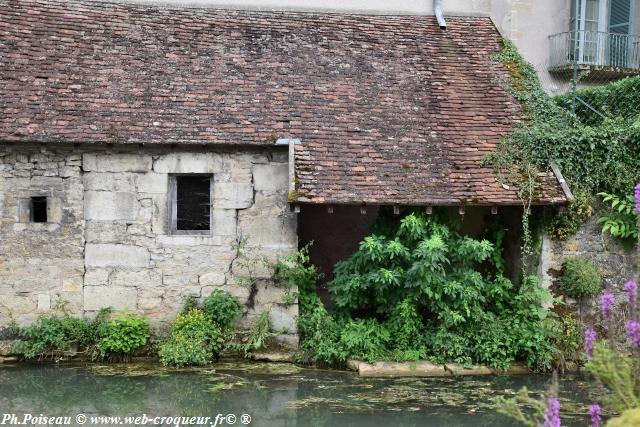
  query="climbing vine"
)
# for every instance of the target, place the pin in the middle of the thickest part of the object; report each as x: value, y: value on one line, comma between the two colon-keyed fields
x: 594, y: 156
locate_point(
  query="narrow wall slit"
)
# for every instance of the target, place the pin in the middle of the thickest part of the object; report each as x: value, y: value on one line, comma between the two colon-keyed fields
x: 39, y: 209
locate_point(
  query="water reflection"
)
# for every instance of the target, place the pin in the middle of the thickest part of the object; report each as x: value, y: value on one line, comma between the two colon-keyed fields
x: 274, y: 395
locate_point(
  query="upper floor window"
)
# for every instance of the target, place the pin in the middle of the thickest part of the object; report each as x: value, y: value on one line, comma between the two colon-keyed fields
x: 600, y: 30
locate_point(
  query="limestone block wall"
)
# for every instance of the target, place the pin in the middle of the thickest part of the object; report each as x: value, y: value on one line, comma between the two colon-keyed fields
x: 41, y: 264
x: 112, y: 246
x: 616, y: 264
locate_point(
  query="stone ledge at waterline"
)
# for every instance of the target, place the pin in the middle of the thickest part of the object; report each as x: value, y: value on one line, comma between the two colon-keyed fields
x: 427, y: 369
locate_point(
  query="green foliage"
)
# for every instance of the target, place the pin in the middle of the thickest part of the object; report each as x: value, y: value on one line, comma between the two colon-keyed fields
x: 123, y: 336
x: 296, y: 271
x: 320, y: 334
x: 512, y: 407
x: 580, y: 278
x: 223, y: 308
x: 563, y: 224
x: 190, y: 302
x: 593, y: 156
x: 620, y: 220
x: 616, y: 99
x: 417, y: 292
x: 195, y: 340
x: 405, y: 326
x: 50, y: 335
x: 259, y: 334
x: 422, y: 261
x: 181, y: 351
x: 618, y: 372
x: 628, y: 418
x: 567, y: 337
x: 364, y: 339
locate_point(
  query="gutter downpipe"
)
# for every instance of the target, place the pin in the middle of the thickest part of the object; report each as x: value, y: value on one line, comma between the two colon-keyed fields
x: 437, y: 9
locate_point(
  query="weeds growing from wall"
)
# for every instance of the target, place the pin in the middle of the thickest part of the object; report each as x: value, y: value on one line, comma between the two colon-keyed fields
x: 53, y: 336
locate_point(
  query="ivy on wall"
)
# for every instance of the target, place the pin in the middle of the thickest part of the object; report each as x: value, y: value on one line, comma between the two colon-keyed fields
x: 594, y: 156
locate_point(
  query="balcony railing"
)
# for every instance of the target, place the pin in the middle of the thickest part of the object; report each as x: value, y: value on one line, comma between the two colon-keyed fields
x: 593, y: 49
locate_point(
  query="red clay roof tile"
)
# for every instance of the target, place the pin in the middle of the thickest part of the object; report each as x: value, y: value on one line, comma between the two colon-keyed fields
x: 389, y: 109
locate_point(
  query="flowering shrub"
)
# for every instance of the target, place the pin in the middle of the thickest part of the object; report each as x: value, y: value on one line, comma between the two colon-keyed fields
x: 633, y: 332
x: 614, y: 367
x: 552, y: 414
x: 594, y: 413
x: 607, y: 302
x: 590, y: 337
x: 631, y: 288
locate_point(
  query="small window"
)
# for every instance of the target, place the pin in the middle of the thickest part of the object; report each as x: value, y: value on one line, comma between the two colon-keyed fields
x: 39, y: 209
x: 190, y: 204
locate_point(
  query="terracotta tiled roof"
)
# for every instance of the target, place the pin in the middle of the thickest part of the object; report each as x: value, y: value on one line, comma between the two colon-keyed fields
x: 389, y: 109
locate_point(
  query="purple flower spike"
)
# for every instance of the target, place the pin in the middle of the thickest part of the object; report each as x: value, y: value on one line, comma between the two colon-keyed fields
x: 631, y: 288
x: 590, y: 336
x: 637, y: 193
x: 633, y: 333
x: 552, y: 414
x: 595, y: 411
x: 607, y: 301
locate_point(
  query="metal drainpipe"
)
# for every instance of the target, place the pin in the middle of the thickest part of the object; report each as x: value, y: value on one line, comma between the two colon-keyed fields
x: 437, y: 7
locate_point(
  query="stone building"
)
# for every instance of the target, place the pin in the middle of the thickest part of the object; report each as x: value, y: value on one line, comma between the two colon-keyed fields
x: 148, y: 153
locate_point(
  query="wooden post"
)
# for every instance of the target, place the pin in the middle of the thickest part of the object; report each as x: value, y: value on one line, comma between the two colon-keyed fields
x: 292, y: 166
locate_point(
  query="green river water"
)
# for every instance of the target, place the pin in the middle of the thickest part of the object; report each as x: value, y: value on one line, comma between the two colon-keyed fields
x: 272, y: 394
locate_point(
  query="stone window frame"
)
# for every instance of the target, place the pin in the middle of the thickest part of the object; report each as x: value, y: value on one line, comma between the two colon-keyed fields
x: 54, y: 209
x: 172, y: 206
x: 32, y: 209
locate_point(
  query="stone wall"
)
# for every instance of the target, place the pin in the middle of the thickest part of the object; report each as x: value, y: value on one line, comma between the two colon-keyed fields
x: 616, y: 264
x: 41, y: 264
x: 108, y: 241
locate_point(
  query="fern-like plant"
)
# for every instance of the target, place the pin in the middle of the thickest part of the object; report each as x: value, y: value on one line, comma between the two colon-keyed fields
x: 621, y: 221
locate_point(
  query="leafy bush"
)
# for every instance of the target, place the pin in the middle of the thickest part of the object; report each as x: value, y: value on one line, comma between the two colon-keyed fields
x: 423, y: 260
x: 223, y: 308
x: 580, y: 278
x: 50, y: 335
x: 195, y: 340
x: 182, y: 350
x: 123, y: 336
x: 405, y: 327
x: 365, y: 340
x: 566, y: 333
x: 616, y: 99
x: 417, y: 291
x: 320, y: 333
